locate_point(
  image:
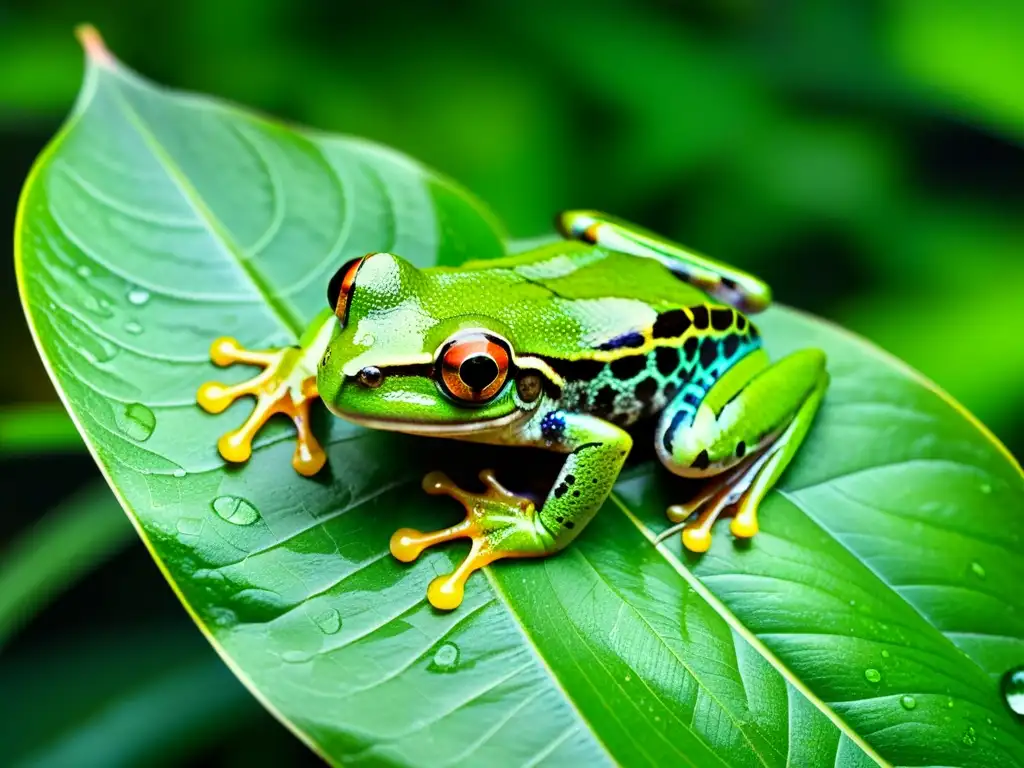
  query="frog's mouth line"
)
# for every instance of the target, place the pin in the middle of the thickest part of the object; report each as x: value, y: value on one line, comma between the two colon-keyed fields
x: 440, y: 429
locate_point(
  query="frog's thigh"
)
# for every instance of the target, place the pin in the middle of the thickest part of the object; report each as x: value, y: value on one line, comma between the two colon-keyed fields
x: 702, y: 434
x: 747, y: 428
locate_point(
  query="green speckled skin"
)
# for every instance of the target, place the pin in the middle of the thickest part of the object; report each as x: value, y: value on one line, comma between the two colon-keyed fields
x: 571, y: 344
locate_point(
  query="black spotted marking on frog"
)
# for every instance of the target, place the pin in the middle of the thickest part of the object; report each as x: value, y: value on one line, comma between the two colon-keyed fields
x: 702, y: 461
x: 730, y: 344
x: 646, y: 389
x: 666, y: 359
x: 721, y: 318
x: 701, y: 317
x: 690, y: 348
x: 741, y: 322
x: 671, y: 324
x: 708, y: 352
x: 604, y: 401
x: 577, y: 370
x: 626, y: 368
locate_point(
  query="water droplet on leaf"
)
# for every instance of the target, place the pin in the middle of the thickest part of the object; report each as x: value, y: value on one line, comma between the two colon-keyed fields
x: 446, y: 658
x: 908, y: 702
x: 83, y: 271
x: 236, y: 510
x: 1013, y: 689
x: 133, y: 328
x: 190, y: 526
x: 872, y: 675
x: 135, y: 421
x: 970, y: 736
x: 179, y: 472
x: 885, y: 653
x: 986, y: 488
x: 138, y: 296
x: 329, y: 621
x: 978, y: 570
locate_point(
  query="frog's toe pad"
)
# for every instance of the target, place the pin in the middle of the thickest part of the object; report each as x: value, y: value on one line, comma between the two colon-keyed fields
x: 728, y: 493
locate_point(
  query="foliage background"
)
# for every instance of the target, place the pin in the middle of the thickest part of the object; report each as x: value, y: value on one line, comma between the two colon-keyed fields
x: 864, y: 157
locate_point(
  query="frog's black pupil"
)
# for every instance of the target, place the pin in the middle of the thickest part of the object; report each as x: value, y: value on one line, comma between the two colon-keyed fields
x: 478, y: 371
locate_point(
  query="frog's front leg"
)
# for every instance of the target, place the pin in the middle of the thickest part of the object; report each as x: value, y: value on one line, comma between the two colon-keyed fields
x: 502, y: 524
x: 742, y: 433
x: 287, y: 385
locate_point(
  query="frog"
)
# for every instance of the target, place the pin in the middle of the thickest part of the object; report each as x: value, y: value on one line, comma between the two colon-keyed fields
x: 562, y: 348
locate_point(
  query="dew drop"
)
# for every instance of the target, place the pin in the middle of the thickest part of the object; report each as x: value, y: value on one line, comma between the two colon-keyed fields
x: 236, y: 510
x: 190, y: 526
x: 1013, y: 689
x: 885, y: 653
x: 98, y: 307
x: 133, y: 328
x: 978, y: 570
x: 135, y: 421
x: 872, y: 675
x: 986, y: 488
x: 295, y: 657
x: 949, y: 703
x: 329, y: 621
x: 179, y: 472
x: 908, y: 702
x: 138, y: 296
x: 970, y: 737
x: 83, y: 271
x: 446, y: 658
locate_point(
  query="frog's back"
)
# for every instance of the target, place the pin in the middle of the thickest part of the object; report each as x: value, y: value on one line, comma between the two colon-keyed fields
x: 577, y: 271
x: 571, y: 300
x: 623, y: 331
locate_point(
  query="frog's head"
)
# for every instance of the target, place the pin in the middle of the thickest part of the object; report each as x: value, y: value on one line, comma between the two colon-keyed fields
x: 412, y: 357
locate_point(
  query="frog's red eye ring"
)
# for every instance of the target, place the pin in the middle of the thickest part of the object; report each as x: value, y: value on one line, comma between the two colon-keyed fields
x: 340, y: 288
x: 473, y: 367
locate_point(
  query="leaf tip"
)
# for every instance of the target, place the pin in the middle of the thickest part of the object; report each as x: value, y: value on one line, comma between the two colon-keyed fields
x: 95, y: 49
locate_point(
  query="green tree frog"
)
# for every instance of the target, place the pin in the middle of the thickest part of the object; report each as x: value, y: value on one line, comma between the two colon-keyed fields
x: 561, y: 348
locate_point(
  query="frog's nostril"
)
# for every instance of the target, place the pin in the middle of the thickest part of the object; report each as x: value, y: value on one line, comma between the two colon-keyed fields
x: 370, y: 377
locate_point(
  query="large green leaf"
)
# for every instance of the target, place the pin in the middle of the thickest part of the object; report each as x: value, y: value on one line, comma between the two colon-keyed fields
x: 877, y: 607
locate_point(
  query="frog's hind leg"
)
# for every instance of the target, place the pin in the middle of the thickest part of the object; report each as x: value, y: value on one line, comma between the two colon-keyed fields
x: 729, y: 285
x: 742, y: 436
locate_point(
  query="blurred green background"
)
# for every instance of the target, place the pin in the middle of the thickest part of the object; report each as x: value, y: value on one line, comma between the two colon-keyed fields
x: 866, y: 158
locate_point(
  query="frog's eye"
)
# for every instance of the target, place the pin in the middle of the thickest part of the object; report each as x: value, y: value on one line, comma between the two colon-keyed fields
x: 473, y: 367
x: 340, y: 288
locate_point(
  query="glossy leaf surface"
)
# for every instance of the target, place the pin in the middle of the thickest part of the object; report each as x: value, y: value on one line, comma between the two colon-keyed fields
x: 157, y: 221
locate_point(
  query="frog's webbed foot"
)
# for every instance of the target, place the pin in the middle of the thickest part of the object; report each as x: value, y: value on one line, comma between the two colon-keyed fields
x: 499, y: 524
x: 287, y: 385
x: 745, y: 486
x: 730, y: 490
